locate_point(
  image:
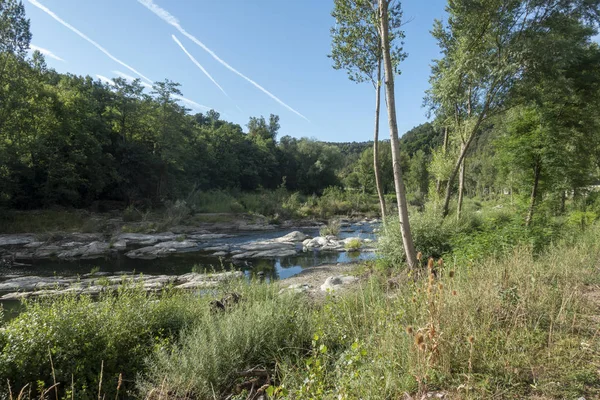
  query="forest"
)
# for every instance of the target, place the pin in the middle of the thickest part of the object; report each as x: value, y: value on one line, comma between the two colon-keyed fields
x: 149, y: 251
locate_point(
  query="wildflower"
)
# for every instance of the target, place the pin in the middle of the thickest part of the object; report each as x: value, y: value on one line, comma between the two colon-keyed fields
x: 454, y: 293
x: 451, y: 273
x: 419, y: 256
x: 409, y: 330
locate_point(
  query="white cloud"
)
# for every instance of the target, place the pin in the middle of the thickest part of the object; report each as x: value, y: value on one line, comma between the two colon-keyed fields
x: 72, y: 28
x: 45, y: 52
x: 171, y: 20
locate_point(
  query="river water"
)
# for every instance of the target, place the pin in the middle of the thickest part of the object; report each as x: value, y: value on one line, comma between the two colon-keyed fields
x: 181, y: 263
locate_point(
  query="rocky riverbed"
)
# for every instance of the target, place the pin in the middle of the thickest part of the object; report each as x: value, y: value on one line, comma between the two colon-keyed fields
x: 33, y: 264
x: 24, y: 248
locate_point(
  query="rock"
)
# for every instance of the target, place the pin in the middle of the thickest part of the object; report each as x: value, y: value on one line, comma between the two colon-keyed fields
x: 21, y: 287
x: 92, y: 250
x: 120, y: 245
x: 146, y: 239
x: 16, y: 240
x: 295, y: 236
x: 334, y: 283
x: 148, y: 253
x: 184, y: 244
x: 208, y: 236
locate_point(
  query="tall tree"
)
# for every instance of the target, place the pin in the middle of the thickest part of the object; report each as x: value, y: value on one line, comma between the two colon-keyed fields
x: 356, y: 47
x: 487, y: 46
x: 386, y: 44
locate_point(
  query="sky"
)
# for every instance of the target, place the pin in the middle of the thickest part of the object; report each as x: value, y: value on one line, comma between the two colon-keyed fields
x: 242, y: 58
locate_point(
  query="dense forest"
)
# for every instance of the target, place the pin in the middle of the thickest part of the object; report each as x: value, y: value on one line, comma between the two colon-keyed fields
x: 70, y: 140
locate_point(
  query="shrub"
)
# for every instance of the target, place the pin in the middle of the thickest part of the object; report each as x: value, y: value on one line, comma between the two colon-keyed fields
x: 353, y: 244
x: 132, y: 214
x: 332, y: 228
x: 214, y: 201
x: 431, y: 235
x: 264, y: 329
x: 116, y: 332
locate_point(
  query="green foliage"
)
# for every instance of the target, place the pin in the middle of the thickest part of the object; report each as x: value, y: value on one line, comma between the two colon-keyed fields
x: 116, y: 332
x: 331, y: 229
x: 264, y: 329
x: 132, y: 214
x: 353, y: 244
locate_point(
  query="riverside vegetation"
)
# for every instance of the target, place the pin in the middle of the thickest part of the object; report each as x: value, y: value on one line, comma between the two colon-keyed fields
x: 523, y: 321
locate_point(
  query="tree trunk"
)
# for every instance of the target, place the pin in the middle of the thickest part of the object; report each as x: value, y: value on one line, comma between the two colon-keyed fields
x: 407, y: 241
x: 438, y: 183
x: 461, y: 185
x: 376, y: 144
x: 461, y: 157
x: 536, y: 180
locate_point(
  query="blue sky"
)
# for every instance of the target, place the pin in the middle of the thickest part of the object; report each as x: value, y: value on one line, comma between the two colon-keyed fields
x: 281, y: 45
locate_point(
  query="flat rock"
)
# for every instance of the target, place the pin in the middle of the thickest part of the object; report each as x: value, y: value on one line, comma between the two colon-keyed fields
x: 148, y: 253
x: 88, y: 251
x: 295, y: 236
x: 16, y: 240
x: 146, y: 239
x: 208, y: 236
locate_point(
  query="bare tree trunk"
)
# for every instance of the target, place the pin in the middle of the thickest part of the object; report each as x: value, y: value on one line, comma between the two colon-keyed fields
x: 438, y: 183
x: 407, y: 241
x: 536, y: 180
x: 376, y: 144
x: 461, y: 185
x: 461, y: 157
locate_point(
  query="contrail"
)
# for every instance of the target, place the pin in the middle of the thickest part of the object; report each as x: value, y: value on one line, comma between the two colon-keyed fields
x: 71, y: 27
x: 198, y: 64
x: 191, y: 103
x: 45, y: 52
x: 105, y: 79
x: 203, y: 70
x: 171, y: 20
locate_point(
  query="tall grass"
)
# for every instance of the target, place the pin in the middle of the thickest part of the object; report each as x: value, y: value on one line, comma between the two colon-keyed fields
x: 262, y: 331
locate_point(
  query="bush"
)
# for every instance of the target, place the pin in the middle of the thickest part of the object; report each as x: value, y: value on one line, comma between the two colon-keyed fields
x: 214, y: 201
x: 431, y: 235
x: 132, y: 214
x: 264, y: 329
x: 353, y: 244
x: 331, y: 229
x: 116, y: 333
